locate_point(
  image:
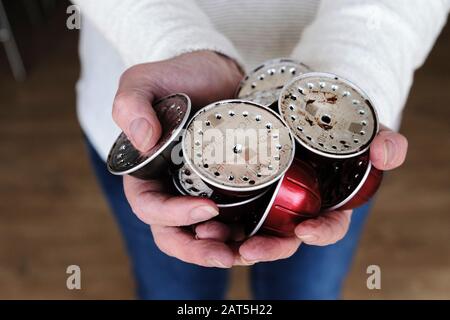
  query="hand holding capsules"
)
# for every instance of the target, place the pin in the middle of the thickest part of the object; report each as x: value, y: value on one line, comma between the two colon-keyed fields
x: 207, y: 77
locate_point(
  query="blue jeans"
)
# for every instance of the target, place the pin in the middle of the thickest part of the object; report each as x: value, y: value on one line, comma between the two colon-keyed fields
x: 311, y: 273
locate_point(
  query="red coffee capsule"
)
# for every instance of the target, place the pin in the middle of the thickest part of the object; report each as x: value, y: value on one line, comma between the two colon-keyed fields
x: 334, y: 123
x: 344, y: 183
x: 365, y: 191
x: 295, y: 199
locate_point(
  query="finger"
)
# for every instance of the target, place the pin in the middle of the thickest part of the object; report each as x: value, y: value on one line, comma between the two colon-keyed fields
x: 326, y: 229
x: 267, y: 248
x: 388, y: 150
x: 181, y: 244
x: 133, y: 112
x: 153, y: 206
x: 212, y: 230
x: 240, y: 261
x: 221, y: 231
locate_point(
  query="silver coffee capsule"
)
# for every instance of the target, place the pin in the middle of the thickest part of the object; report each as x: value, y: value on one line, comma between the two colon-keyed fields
x: 328, y: 115
x: 173, y: 112
x: 232, y: 210
x: 264, y: 83
x: 238, y: 146
x: 188, y: 183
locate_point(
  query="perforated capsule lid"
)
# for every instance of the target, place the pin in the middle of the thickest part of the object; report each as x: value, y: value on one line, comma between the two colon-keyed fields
x: 238, y: 145
x: 328, y: 115
x: 264, y: 83
x: 189, y: 183
x: 173, y: 112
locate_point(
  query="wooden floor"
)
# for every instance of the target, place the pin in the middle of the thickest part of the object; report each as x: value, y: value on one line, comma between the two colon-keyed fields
x: 52, y: 213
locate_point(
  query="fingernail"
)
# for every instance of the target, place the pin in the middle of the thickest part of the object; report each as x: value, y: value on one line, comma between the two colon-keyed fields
x: 215, y: 263
x: 248, y: 262
x: 307, y: 237
x: 141, y: 133
x: 203, y: 213
x: 389, y: 151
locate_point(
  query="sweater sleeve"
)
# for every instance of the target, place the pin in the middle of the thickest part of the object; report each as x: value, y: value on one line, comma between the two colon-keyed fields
x: 152, y: 30
x: 375, y: 44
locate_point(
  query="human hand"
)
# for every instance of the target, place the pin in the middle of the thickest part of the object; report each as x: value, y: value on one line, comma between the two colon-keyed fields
x: 205, y: 77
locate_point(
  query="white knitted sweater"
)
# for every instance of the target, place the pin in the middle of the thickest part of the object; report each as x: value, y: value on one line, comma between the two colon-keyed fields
x: 375, y: 44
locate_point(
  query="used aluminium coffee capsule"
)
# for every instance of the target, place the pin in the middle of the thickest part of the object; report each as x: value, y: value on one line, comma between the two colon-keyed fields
x: 296, y: 198
x: 189, y: 183
x: 328, y: 115
x: 173, y: 112
x: 344, y: 183
x: 365, y: 190
x: 263, y: 84
x: 238, y: 147
x: 334, y: 122
x: 232, y: 210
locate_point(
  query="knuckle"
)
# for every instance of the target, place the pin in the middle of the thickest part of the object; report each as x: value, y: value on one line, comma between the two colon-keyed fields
x: 340, y: 235
x: 161, y: 244
x: 137, y: 206
x: 157, y: 240
x: 133, y: 201
x: 291, y: 250
x: 342, y: 226
x: 140, y: 214
x: 131, y: 72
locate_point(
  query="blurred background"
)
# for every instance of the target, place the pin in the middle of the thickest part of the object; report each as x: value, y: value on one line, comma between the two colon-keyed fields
x: 52, y: 213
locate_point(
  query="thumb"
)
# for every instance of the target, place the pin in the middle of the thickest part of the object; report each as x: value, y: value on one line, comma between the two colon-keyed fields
x: 388, y: 150
x: 133, y: 112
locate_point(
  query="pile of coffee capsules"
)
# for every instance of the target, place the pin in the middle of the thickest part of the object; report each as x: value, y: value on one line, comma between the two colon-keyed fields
x: 291, y: 145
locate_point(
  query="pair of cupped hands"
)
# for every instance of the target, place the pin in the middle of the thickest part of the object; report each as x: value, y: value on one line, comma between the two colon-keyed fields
x: 205, y: 77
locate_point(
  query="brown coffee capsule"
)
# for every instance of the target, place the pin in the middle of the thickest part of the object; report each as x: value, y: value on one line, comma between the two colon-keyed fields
x: 173, y: 112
